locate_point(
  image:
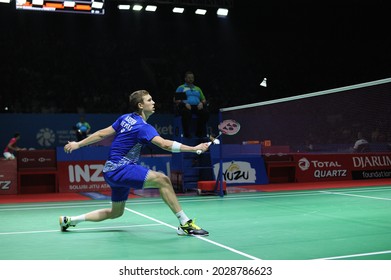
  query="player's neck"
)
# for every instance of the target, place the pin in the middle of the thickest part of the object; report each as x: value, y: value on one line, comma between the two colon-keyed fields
x: 145, y: 115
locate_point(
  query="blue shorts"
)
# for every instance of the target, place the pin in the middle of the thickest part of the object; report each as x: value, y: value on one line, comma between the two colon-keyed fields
x: 123, y: 178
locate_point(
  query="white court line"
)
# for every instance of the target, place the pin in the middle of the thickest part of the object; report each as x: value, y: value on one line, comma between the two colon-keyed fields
x: 357, y: 255
x: 199, y: 237
x: 159, y: 223
x: 146, y: 201
x: 76, y: 229
x: 356, y: 195
x: 50, y: 206
x: 362, y: 254
x: 259, y: 195
x: 155, y: 201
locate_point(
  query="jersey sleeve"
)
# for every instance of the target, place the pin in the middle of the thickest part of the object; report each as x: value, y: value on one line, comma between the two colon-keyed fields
x: 147, y: 134
x: 117, y: 124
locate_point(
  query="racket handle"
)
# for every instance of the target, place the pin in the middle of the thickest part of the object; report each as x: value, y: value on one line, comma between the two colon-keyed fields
x: 200, y: 151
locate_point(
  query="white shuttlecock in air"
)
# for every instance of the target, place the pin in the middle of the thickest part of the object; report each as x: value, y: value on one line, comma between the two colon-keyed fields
x: 263, y: 83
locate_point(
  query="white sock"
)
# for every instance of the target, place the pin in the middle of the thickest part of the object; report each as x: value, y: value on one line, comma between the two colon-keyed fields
x: 182, y: 217
x: 77, y: 219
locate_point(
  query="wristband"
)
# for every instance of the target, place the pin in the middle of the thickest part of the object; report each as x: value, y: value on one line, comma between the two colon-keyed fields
x: 176, y: 147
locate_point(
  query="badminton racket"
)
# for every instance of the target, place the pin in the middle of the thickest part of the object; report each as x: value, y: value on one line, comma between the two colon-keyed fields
x: 226, y: 127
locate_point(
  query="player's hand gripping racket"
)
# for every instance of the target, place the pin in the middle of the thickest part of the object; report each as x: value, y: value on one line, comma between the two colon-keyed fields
x: 227, y: 127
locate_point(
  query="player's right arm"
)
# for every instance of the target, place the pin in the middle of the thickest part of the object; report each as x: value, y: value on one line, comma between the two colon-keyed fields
x: 91, y: 139
x: 176, y: 147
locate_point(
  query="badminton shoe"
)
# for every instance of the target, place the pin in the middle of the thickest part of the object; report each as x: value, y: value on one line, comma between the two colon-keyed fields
x: 65, y: 222
x: 190, y: 228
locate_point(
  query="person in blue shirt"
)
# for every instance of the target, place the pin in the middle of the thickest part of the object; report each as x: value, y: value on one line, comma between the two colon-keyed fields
x: 194, y: 104
x: 82, y: 129
x: 122, y: 171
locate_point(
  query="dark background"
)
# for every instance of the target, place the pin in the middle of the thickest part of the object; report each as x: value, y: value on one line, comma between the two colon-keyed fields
x: 74, y: 63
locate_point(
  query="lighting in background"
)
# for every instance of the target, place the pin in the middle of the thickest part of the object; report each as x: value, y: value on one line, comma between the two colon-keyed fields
x: 69, y: 4
x: 222, y: 12
x: 263, y: 83
x: 137, y: 7
x: 5, y: 1
x: 200, y: 12
x: 37, y: 2
x: 151, y: 8
x: 123, y: 7
x: 97, y: 4
x: 178, y: 10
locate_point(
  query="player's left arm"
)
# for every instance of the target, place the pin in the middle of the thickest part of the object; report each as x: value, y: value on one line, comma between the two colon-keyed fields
x: 91, y: 139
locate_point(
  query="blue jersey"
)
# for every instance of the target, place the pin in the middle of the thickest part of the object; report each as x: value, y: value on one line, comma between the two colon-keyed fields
x: 131, y: 133
x: 194, y: 94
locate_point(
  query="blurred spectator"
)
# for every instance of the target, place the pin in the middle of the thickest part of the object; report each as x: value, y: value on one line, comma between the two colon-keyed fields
x: 12, y: 147
x: 193, y: 102
x: 361, y: 145
x: 82, y: 129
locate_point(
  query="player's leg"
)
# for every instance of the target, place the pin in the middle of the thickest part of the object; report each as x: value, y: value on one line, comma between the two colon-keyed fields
x: 116, y: 210
x: 163, y: 183
x: 8, y: 155
x: 120, y: 189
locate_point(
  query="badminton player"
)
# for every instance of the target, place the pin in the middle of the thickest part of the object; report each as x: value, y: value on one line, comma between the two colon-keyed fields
x: 121, y: 170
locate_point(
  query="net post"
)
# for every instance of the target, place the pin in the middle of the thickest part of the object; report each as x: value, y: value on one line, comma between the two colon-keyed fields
x: 220, y: 175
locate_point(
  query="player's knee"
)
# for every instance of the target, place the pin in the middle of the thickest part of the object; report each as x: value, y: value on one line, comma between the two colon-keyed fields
x: 158, y: 179
x: 162, y: 179
x: 117, y: 209
x: 116, y: 214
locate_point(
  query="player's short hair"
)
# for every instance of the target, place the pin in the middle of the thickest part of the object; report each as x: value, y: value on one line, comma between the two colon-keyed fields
x: 135, y: 98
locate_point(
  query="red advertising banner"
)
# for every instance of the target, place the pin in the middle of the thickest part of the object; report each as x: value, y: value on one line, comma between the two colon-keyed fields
x: 335, y: 167
x: 8, y: 177
x: 86, y: 175
x: 371, y: 166
x: 37, y: 159
x: 81, y: 176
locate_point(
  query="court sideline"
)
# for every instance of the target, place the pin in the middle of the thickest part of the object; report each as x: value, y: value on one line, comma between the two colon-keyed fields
x: 347, y: 223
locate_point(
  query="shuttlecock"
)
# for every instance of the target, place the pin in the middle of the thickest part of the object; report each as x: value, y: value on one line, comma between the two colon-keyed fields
x: 263, y: 83
x: 216, y: 141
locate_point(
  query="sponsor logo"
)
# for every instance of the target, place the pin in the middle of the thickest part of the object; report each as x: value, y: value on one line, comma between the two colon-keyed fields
x: 371, y: 174
x: 85, y: 173
x: 330, y: 173
x: 164, y: 130
x: 371, y: 161
x: 86, y: 177
x: 46, y: 137
x: 5, y: 185
x: 42, y: 159
x: 27, y: 159
x: 323, y: 169
x: 304, y: 164
x: 237, y: 172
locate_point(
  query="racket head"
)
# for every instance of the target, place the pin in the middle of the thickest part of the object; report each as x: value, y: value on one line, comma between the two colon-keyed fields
x: 229, y: 127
